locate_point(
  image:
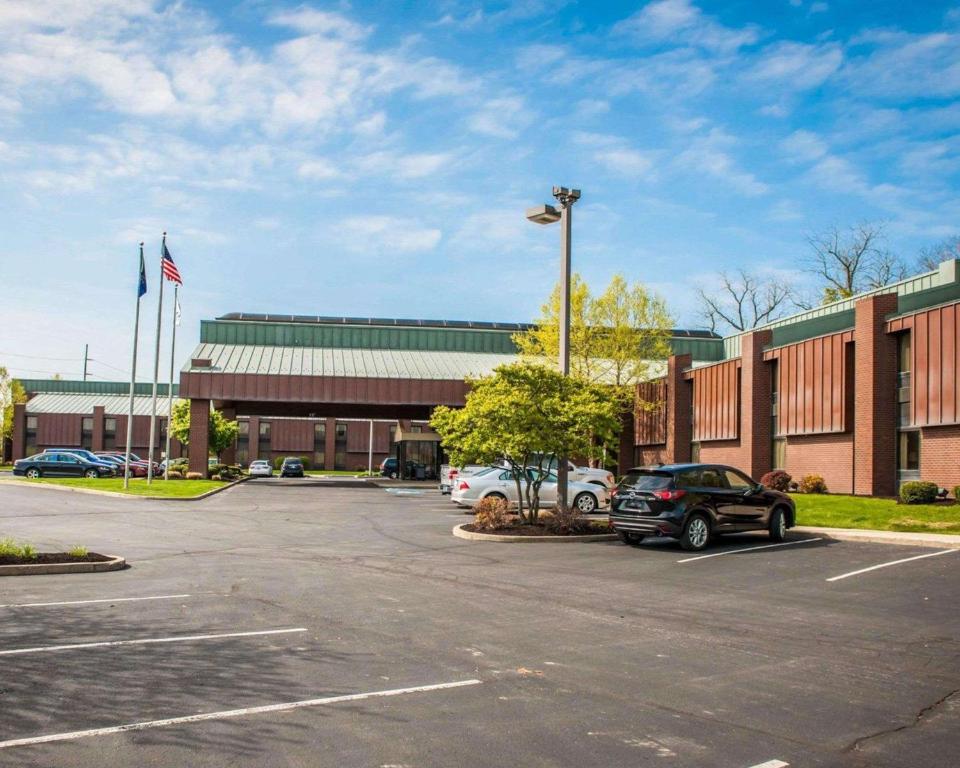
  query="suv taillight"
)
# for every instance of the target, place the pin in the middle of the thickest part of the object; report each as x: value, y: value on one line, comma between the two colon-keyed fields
x: 674, y: 495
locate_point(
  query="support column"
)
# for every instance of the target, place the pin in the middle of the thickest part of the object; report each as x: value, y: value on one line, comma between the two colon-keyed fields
x: 199, y: 435
x: 253, y: 440
x: 755, y: 405
x: 330, y: 444
x: 229, y: 455
x: 679, y: 409
x: 98, y: 417
x: 627, y: 442
x: 875, y: 414
x: 19, y: 431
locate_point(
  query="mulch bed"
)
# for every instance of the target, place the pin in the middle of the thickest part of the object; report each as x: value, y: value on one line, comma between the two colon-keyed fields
x: 539, y: 530
x: 53, y: 558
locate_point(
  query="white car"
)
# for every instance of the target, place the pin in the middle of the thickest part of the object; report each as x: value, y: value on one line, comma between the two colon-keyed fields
x: 449, y: 475
x: 598, y: 476
x: 260, y: 468
x: 499, y: 484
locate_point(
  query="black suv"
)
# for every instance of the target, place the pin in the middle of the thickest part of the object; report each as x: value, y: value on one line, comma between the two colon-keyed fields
x: 291, y: 467
x: 693, y: 502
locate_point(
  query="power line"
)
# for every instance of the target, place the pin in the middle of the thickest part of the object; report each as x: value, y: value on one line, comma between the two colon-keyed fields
x: 39, y: 357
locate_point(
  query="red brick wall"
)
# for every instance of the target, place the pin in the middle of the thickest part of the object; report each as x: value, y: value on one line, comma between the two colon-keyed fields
x: 830, y: 456
x: 755, y: 389
x: 940, y: 456
x: 644, y: 455
x: 679, y: 405
x: 730, y: 452
x: 199, y: 435
x: 875, y: 353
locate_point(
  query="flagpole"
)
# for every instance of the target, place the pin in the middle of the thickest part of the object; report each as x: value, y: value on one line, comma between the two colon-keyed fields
x: 133, y: 380
x: 156, y: 371
x: 173, y: 346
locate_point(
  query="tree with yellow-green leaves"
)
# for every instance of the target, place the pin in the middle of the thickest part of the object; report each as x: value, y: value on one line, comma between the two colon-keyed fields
x: 11, y: 393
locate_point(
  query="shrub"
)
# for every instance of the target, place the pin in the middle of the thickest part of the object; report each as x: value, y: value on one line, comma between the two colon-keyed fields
x: 10, y: 548
x: 812, y: 484
x: 78, y: 551
x: 174, y: 475
x: 214, y: 477
x: 918, y: 492
x: 491, y: 514
x: 305, y: 460
x: 778, y: 480
x: 956, y: 492
x: 278, y: 462
x: 194, y: 475
x: 566, y: 522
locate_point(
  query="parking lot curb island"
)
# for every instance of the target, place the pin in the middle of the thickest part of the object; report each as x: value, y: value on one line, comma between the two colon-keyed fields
x: 115, y: 563
x: 884, y: 537
x: 460, y: 532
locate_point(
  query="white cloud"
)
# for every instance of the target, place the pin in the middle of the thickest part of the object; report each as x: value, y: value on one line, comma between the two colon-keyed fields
x: 409, y: 166
x: 305, y: 19
x: 797, y: 65
x: 378, y: 234
x: 804, y: 145
x: 681, y: 22
x: 502, y: 118
x: 708, y: 154
x: 627, y: 162
x: 902, y: 65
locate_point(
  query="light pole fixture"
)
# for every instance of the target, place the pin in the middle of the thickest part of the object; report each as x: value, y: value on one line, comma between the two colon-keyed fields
x: 548, y: 214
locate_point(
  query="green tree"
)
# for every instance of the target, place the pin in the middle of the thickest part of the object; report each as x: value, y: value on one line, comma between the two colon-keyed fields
x: 11, y: 393
x: 222, y: 431
x: 524, y: 414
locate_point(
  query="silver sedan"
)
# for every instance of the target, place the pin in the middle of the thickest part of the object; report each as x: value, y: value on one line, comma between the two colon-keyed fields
x: 499, y: 484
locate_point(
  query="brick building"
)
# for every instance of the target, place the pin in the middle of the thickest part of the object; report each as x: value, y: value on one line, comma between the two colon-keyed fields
x: 863, y: 392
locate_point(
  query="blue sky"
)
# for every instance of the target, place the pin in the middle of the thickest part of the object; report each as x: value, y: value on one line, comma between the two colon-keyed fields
x: 376, y: 158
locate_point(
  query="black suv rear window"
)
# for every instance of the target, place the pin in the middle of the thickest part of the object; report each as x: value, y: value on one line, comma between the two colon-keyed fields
x: 646, y: 481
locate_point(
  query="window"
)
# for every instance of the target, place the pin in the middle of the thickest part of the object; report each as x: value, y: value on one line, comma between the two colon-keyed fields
x: 903, y: 380
x: 688, y: 478
x: 695, y: 453
x: 109, y: 433
x: 908, y: 451
x: 86, y: 433
x: 320, y: 445
x: 778, y: 445
x: 711, y: 478
x: 393, y: 434
x: 31, y: 436
x: 263, y: 440
x: 340, y: 446
x: 737, y: 482
x: 243, y: 442
x: 779, y: 455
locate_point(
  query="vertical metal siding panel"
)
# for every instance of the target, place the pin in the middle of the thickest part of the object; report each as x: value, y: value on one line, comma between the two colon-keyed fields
x: 935, y: 364
x: 808, y: 386
x: 816, y: 350
x: 838, y: 373
x: 799, y: 425
x: 920, y: 344
x: 732, y: 426
x: 948, y: 368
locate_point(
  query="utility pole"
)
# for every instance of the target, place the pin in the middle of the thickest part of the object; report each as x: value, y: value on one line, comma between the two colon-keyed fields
x: 86, y: 349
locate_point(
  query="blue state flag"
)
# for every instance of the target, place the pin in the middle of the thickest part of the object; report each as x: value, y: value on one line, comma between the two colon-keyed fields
x: 142, y: 288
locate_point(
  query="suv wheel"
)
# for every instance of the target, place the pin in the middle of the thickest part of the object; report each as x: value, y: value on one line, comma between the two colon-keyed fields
x: 778, y: 525
x: 630, y: 538
x: 696, y: 533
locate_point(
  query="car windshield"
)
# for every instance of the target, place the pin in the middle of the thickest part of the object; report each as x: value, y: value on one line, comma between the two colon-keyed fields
x: 646, y: 481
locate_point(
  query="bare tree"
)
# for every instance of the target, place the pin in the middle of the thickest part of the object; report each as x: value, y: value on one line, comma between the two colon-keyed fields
x: 851, y: 261
x: 930, y: 257
x: 744, y: 301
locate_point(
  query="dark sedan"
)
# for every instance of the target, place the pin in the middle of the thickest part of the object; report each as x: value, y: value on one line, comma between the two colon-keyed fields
x: 695, y: 502
x: 58, y: 464
x: 291, y: 467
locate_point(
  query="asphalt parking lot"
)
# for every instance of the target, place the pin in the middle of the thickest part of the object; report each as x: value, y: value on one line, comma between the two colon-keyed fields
x: 299, y: 624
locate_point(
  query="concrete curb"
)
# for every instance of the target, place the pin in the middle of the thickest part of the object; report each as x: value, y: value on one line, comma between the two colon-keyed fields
x: 117, y: 495
x: 942, y: 540
x: 115, y: 563
x: 459, y: 532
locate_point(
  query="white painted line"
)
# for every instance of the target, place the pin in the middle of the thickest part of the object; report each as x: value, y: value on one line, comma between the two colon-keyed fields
x: 771, y: 764
x: 749, y: 549
x: 149, y: 641
x: 887, y: 565
x: 141, y: 726
x: 89, y: 602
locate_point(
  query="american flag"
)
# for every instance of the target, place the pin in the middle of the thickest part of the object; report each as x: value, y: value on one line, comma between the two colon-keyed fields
x: 169, y: 269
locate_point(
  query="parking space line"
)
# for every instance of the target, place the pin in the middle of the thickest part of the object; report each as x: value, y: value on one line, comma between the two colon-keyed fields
x: 90, y: 602
x: 749, y: 549
x: 771, y: 764
x: 887, y: 565
x: 150, y: 641
x: 144, y: 725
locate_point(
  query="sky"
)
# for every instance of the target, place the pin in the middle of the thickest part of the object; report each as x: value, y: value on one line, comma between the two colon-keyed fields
x: 376, y: 158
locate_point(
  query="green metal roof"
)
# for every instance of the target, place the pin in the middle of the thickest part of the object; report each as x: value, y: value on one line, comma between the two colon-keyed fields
x: 34, y: 386
x: 113, y: 405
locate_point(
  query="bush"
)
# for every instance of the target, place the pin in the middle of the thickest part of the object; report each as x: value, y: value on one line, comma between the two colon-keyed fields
x: 491, y: 514
x: 215, y: 477
x: 305, y: 460
x: 778, y: 480
x: 918, y: 492
x: 812, y: 484
x: 194, y: 475
x: 78, y: 551
x: 956, y: 493
x: 174, y: 475
x: 10, y: 548
x: 278, y: 462
x: 566, y: 522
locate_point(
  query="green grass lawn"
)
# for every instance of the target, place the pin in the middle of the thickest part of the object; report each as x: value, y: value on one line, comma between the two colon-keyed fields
x: 875, y: 514
x: 138, y: 486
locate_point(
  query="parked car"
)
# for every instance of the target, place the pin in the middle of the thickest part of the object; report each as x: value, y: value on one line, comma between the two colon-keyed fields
x: 137, y: 468
x: 449, y: 475
x: 581, y: 474
x: 83, y: 453
x: 291, y: 467
x: 261, y: 468
x: 61, y: 464
x: 694, y: 502
x: 498, y: 483
x: 389, y: 467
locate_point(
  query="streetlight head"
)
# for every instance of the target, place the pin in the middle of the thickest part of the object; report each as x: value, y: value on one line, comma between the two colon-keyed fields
x: 565, y: 195
x: 543, y: 214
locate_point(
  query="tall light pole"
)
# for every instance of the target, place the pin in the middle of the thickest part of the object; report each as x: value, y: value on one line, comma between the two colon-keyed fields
x: 548, y: 214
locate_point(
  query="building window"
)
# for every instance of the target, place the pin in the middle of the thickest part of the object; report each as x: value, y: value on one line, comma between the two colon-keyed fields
x: 109, y: 433
x: 779, y: 454
x: 86, y: 433
x: 340, y: 446
x: 393, y: 434
x: 31, y: 436
x: 908, y: 440
x: 903, y: 380
x: 320, y: 445
x: 695, y: 453
x: 778, y: 445
x: 263, y: 442
x: 243, y: 442
x: 908, y: 452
